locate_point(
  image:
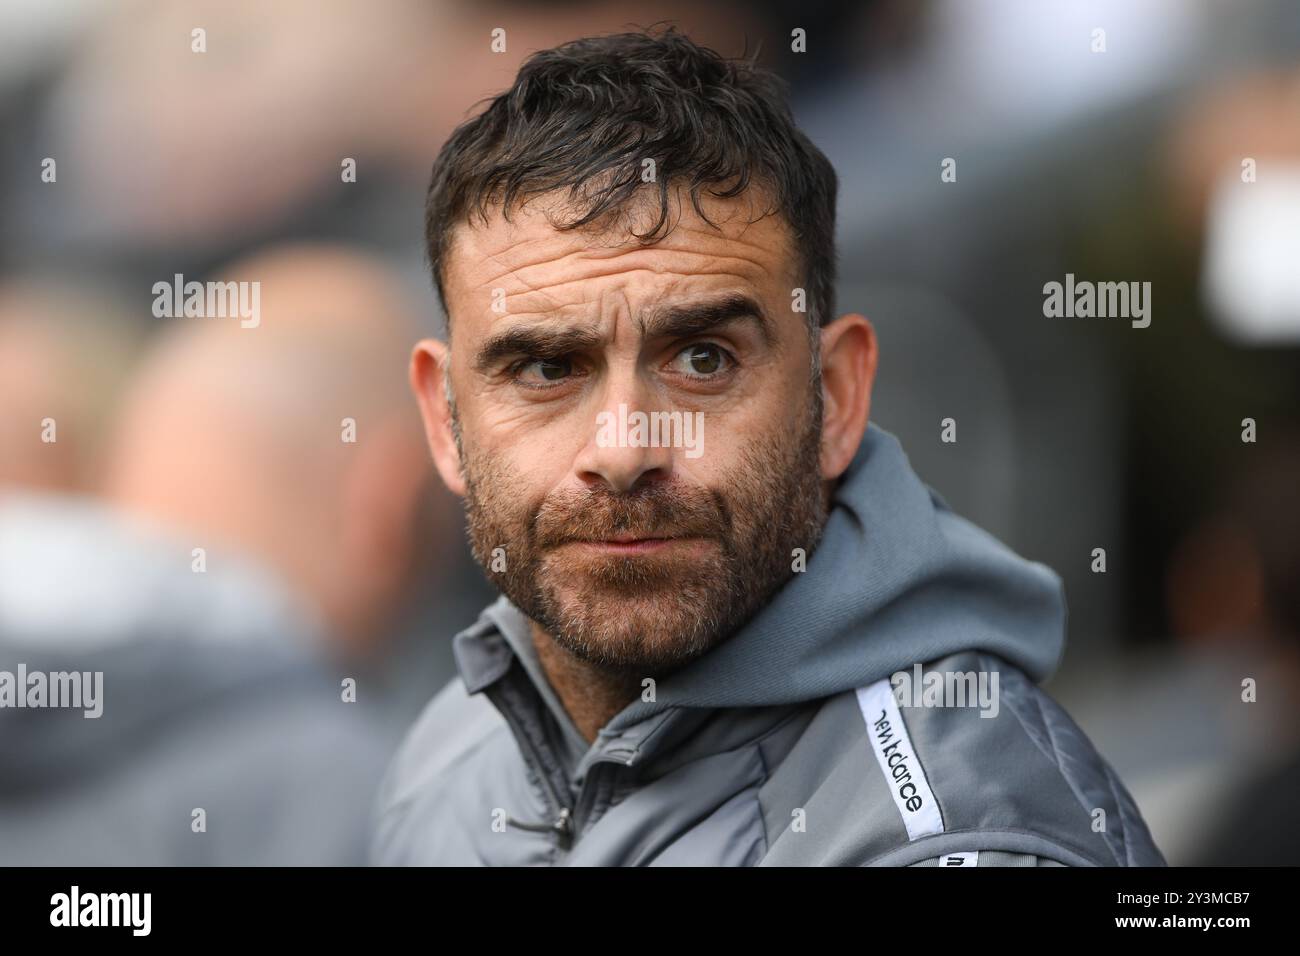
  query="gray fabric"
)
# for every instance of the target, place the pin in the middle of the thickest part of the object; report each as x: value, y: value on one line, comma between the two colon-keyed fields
x: 758, y: 753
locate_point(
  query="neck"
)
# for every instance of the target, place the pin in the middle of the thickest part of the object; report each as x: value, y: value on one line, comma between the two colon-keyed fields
x: 591, y: 696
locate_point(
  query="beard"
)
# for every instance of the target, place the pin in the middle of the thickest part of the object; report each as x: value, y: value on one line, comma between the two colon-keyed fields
x: 648, y: 614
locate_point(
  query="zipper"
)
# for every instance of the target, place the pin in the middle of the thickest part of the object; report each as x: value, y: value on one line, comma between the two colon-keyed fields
x: 589, y: 788
x: 562, y: 823
x: 562, y: 827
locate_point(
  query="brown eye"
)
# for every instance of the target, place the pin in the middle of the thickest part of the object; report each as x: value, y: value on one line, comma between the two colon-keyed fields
x: 704, y: 359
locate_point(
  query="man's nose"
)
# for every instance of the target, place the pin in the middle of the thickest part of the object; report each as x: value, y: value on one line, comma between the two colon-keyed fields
x: 619, y: 453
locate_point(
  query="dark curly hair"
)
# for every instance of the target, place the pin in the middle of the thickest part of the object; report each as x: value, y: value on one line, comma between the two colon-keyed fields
x: 583, y: 117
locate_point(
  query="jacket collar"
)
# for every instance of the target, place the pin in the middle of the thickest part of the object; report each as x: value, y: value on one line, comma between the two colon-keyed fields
x: 500, y: 640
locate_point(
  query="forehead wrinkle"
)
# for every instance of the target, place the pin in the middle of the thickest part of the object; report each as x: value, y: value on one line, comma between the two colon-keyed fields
x: 553, y: 289
x: 507, y: 269
x: 601, y: 262
x: 730, y: 221
x: 556, y: 306
x: 746, y: 270
x: 720, y: 247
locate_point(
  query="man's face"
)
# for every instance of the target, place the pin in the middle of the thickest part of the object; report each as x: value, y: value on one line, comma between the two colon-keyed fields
x: 633, y: 557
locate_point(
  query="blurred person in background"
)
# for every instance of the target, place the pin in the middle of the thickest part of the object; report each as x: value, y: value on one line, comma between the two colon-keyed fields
x: 65, y: 354
x: 295, y: 444
x: 215, y: 738
x: 383, y: 90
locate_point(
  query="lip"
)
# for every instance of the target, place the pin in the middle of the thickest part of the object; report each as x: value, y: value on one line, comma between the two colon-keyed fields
x: 630, y: 546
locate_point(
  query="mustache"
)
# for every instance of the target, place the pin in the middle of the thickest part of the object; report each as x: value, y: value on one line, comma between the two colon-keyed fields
x: 650, y: 511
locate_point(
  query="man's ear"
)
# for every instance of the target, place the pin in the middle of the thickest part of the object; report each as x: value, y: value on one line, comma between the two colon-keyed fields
x: 429, y: 363
x: 848, y: 373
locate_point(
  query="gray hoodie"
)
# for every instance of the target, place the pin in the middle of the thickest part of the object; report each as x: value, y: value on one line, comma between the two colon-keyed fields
x: 809, y: 737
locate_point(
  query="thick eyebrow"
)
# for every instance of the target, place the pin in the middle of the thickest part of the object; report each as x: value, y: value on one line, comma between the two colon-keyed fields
x: 541, y: 341
x: 679, y: 321
x: 697, y: 318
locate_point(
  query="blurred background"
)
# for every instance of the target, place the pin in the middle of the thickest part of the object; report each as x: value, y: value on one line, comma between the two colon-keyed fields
x: 290, y: 143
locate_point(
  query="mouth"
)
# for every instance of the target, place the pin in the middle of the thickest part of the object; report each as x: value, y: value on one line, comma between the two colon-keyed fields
x: 633, y: 545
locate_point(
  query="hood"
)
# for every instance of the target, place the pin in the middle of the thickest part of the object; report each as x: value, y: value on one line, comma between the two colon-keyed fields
x: 897, y: 579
